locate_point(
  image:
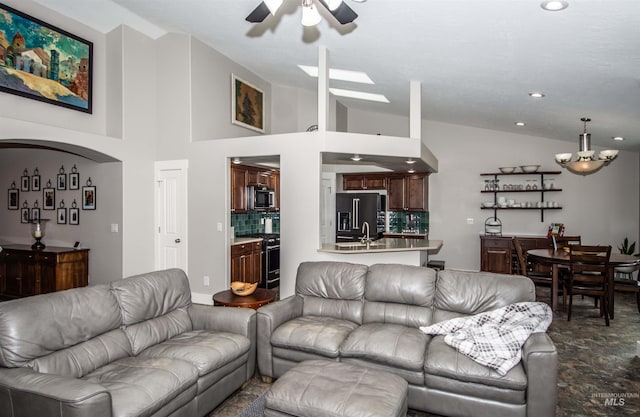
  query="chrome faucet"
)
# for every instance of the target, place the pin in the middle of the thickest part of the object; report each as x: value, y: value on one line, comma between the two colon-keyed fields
x: 365, y: 237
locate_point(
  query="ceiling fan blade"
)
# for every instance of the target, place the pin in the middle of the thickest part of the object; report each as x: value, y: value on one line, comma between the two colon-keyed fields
x: 258, y: 14
x: 343, y: 14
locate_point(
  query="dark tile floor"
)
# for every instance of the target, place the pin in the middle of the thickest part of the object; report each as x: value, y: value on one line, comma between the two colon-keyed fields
x: 598, y: 375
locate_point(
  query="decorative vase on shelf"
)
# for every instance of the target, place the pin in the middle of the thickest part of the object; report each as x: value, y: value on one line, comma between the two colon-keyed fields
x: 37, y: 231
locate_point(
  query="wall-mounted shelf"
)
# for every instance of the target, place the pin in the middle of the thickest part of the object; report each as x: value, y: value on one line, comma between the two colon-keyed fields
x: 541, y: 191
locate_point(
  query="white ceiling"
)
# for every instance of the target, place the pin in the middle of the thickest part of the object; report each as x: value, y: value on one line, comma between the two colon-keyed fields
x: 477, y: 60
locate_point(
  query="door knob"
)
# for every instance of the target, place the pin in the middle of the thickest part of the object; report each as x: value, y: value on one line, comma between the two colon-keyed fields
x: 177, y: 240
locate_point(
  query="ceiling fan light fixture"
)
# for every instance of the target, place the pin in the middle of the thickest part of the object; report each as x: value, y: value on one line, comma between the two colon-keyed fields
x: 273, y: 5
x: 333, y: 4
x: 310, y: 16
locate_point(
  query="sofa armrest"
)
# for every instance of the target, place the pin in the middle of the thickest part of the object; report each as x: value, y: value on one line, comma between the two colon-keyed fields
x: 228, y: 319
x: 270, y: 317
x: 540, y: 360
x: 24, y: 392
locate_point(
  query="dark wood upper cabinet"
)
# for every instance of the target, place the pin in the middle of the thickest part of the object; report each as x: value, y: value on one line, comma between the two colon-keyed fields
x: 408, y: 192
x: 359, y: 182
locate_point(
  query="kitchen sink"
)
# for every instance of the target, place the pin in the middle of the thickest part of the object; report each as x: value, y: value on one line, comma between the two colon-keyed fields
x: 358, y: 244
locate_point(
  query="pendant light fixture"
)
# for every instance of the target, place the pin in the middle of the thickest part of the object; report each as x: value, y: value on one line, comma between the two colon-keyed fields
x: 586, y: 162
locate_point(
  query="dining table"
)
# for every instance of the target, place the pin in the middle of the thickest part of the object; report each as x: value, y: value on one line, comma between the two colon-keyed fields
x: 556, y: 258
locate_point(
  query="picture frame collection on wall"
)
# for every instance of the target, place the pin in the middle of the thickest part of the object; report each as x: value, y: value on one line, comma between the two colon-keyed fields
x: 64, y: 182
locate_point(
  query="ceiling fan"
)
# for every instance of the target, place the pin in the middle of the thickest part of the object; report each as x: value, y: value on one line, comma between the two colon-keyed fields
x: 310, y: 17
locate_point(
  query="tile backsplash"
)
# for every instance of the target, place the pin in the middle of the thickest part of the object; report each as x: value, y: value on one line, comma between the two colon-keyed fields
x: 401, y: 221
x: 254, y: 222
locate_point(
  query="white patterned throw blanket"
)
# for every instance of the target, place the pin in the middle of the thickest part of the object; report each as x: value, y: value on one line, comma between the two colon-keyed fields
x: 494, y: 338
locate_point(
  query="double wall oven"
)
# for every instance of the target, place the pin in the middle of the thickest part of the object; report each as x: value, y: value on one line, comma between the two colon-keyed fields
x: 270, y: 259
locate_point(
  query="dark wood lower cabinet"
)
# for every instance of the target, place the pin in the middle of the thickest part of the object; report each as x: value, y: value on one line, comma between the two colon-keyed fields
x: 25, y: 272
x: 246, y: 262
x: 498, y: 255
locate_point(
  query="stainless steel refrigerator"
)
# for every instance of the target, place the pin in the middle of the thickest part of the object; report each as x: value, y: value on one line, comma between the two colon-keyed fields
x: 353, y: 209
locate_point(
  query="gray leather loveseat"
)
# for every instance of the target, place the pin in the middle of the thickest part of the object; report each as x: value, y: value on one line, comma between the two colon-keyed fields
x: 137, y: 347
x: 371, y: 316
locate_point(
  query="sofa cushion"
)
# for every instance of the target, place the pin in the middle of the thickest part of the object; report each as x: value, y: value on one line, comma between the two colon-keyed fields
x: 313, y: 334
x: 332, y: 289
x: 37, y: 326
x: 153, y: 331
x: 150, y: 295
x: 206, y: 350
x: 388, y: 344
x: 475, y: 292
x: 85, y: 357
x: 141, y: 386
x: 443, y: 360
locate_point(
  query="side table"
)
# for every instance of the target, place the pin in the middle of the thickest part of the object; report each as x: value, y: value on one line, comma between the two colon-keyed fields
x: 260, y: 297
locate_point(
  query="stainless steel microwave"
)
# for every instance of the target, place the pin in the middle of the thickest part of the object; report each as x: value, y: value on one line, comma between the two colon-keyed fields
x: 260, y: 198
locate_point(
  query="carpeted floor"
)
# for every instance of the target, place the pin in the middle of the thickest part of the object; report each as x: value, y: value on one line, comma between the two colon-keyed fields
x: 598, y: 375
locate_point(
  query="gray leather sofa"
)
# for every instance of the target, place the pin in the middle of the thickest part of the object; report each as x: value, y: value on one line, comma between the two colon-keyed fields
x: 137, y: 347
x: 371, y: 316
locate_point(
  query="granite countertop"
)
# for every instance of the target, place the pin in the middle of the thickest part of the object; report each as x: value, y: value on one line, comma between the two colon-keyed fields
x: 382, y: 245
x: 414, y: 235
x: 245, y: 240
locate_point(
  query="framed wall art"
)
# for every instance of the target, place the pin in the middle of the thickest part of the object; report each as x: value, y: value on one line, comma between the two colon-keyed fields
x: 49, y: 198
x: 13, y: 198
x: 25, y: 213
x: 35, y: 180
x: 25, y: 181
x: 61, y: 217
x: 44, y: 63
x: 61, y: 180
x: 74, y: 216
x: 89, y: 196
x: 247, y: 107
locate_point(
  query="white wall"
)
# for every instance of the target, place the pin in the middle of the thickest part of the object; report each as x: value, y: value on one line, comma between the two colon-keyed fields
x: 603, y: 208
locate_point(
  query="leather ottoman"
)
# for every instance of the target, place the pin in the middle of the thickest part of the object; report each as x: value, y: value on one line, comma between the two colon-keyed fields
x: 327, y: 388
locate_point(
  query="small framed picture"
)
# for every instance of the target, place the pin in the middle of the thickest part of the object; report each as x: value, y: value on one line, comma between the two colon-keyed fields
x: 62, y: 182
x: 74, y: 181
x: 25, y: 181
x: 24, y: 215
x: 49, y: 198
x: 35, y: 183
x: 35, y: 214
x: 61, y: 218
x: 74, y: 215
x: 13, y: 198
x: 89, y: 197
x: 247, y: 105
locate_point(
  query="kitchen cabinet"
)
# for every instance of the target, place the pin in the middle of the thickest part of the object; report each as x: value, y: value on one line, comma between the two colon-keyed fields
x: 243, y: 176
x: 407, y: 192
x: 246, y: 262
x: 238, y: 189
x: 538, y: 189
x: 359, y: 182
x: 25, y: 272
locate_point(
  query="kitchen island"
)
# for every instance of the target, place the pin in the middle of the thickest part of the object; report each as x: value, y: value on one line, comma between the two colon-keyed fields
x: 382, y: 245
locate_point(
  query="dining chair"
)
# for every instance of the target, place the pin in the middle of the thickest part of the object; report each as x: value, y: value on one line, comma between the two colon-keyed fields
x: 566, y: 241
x: 526, y: 268
x: 588, y: 275
x: 629, y: 284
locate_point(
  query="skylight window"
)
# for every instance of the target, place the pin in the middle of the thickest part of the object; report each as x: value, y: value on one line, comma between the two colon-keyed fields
x: 359, y: 95
x: 339, y: 74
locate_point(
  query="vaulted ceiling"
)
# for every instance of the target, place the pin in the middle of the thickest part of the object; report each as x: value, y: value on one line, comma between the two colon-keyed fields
x: 477, y: 60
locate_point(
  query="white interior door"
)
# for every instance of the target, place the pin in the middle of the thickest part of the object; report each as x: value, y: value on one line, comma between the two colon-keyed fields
x: 171, y: 215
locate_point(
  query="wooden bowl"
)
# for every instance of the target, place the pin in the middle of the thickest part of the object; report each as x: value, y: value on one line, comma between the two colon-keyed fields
x: 243, y: 288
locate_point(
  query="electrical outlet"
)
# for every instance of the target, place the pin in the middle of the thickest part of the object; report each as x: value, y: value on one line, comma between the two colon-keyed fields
x: 219, y: 227
x: 470, y: 220
x: 205, y: 280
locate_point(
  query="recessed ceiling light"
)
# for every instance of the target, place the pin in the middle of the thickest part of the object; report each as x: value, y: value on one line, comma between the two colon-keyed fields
x: 554, y: 5
x: 520, y: 123
x: 411, y: 171
x: 356, y: 158
x: 410, y: 161
x: 339, y: 74
x: 359, y: 95
x: 536, y: 94
x: 236, y: 160
x: 617, y: 138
